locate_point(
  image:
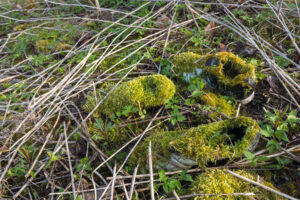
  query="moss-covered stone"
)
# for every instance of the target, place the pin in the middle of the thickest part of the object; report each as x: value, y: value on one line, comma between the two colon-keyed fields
x: 142, y: 92
x: 217, y: 102
x: 219, y: 182
x: 223, y: 71
x: 203, y: 144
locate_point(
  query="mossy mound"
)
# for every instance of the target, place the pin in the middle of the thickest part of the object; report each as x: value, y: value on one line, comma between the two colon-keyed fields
x: 161, y: 149
x: 218, y: 102
x: 142, y: 92
x: 203, y: 144
x: 186, y: 62
x: 47, y: 46
x: 219, y: 182
x: 223, y: 71
x: 215, y: 141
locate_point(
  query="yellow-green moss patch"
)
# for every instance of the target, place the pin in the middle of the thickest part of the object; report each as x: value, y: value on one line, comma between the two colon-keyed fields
x: 203, y: 144
x: 223, y: 71
x: 218, y: 102
x: 142, y: 92
x: 47, y: 46
x: 186, y: 61
x: 161, y: 148
x: 223, y: 139
x: 219, y: 182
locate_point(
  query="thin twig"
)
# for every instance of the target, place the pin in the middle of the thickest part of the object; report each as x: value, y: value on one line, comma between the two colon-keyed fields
x: 261, y: 185
x: 151, y: 171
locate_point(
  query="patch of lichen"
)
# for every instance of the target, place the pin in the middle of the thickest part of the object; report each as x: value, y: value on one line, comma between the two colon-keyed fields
x: 186, y: 62
x: 205, y: 143
x: 217, y: 102
x: 219, y: 182
x: 219, y: 140
x: 142, y: 92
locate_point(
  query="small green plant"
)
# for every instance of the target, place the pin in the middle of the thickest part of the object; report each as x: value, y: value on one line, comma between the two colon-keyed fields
x: 176, y: 116
x: 196, y: 86
x: 281, y: 61
x: 127, y: 110
x: 199, y: 38
x: 277, y: 128
x: 173, y: 183
x: 84, y: 166
x: 52, y: 159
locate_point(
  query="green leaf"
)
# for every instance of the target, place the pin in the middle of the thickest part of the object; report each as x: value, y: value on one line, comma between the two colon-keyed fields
x: 32, y: 174
x: 180, y: 118
x: 156, y: 187
x: 254, y: 163
x: 178, y: 185
x: 267, y: 130
x: 84, y: 160
x: 276, y: 166
x: 273, y: 145
x: 172, y: 184
x: 280, y: 134
x: 283, y: 127
x: 173, y: 121
x: 2, y: 96
x: 249, y: 155
x: 283, y: 161
x: 262, y: 158
x: 255, y: 62
x: 260, y: 76
x: 99, y: 124
x: 187, y: 177
x: 79, y: 167
x: 292, y: 117
x: 196, y: 93
x: 271, y: 117
x: 161, y: 175
x: 88, y: 167
x: 166, y: 188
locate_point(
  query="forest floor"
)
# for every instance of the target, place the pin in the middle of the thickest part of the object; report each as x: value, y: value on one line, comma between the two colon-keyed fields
x: 55, y: 53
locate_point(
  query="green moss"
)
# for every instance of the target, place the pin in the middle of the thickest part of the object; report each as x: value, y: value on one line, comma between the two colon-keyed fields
x: 219, y: 182
x: 205, y: 143
x: 231, y: 70
x: 186, y: 61
x: 224, y: 71
x: 110, y: 137
x: 47, y: 46
x: 215, y: 141
x: 42, y: 46
x: 291, y: 188
x: 142, y: 92
x: 218, y: 102
x: 161, y: 148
